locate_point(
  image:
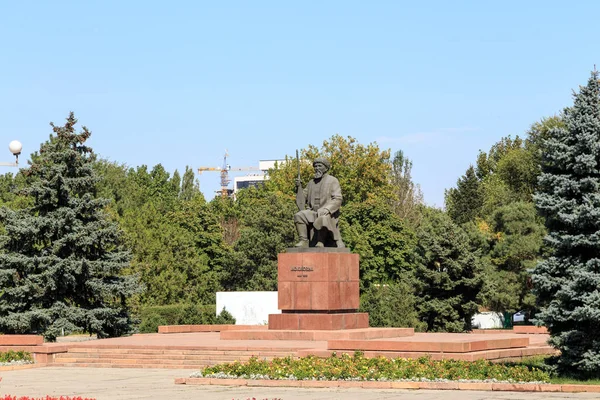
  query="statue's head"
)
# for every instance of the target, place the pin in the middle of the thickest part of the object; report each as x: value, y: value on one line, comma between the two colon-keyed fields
x: 321, y: 166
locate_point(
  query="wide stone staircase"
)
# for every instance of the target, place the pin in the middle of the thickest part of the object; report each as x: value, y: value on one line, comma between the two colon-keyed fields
x: 158, y: 358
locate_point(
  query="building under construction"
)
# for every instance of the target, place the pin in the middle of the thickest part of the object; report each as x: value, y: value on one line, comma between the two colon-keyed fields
x: 240, y: 182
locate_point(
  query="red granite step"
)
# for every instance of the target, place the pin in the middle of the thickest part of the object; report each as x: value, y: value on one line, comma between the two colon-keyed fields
x: 317, y: 335
x: 207, y: 328
x: 492, y: 355
x: 538, y: 330
x: 156, y: 358
x: 463, y: 346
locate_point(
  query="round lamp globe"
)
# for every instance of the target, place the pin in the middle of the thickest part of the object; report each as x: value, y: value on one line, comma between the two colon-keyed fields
x: 15, y: 147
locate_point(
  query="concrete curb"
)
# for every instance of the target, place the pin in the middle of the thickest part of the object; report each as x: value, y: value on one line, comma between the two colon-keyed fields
x: 20, y: 366
x: 479, y: 386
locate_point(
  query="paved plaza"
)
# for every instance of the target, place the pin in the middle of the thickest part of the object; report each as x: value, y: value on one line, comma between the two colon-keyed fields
x: 132, y: 383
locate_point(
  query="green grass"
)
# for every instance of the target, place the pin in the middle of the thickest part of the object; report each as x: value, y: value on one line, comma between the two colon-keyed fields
x: 571, y: 381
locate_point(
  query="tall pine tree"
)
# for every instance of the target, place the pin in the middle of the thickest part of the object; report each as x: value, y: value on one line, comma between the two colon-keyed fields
x: 61, y: 259
x: 567, y: 283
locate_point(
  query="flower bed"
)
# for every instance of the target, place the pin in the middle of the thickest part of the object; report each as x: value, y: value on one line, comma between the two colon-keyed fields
x: 15, y: 357
x: 360, y: 368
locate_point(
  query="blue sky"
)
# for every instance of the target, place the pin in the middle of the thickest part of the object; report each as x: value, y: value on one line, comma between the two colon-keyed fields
x: 179, y: 82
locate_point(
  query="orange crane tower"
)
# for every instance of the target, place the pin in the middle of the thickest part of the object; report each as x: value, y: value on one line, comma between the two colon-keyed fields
x: 224, y: 170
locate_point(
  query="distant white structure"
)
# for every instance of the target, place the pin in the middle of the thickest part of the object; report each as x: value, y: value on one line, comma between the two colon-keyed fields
x: 244, y: 182
x: 253, y: 180
x: 488, y: 320
x: 248, y: 308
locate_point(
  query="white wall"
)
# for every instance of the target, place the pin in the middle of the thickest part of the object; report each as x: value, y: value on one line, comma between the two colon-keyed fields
x: 487, y: 320
x: 248, y: 308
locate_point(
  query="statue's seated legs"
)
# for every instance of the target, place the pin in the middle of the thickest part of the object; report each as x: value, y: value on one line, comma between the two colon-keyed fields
x: 316, y: 231
x: 321, y: 237
x: 301, y: 219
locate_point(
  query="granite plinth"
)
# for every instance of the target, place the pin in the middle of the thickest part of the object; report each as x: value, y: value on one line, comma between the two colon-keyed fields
x: 318, y: 321
x: 317, y: 250
x: 318, y: 281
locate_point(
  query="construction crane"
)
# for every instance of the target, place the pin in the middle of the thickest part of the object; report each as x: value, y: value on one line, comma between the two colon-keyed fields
x: 224, y: 170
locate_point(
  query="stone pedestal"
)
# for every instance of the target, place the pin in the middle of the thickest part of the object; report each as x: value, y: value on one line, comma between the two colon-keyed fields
x: 318, y: 289
x: 318, y: 321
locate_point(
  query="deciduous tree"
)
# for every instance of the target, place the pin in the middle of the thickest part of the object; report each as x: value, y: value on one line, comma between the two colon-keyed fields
x: 408, y: 196
x: 464, y: 202
x: 383, y: 240
x: 363, y: 171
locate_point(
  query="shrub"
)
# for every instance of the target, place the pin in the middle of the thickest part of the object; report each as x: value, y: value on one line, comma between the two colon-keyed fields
x: 151, y: 323
x: 181, y: 314
x: 391, y: 305
x: 170, y: 313
x: 197, y: 315
x: 224, y: 318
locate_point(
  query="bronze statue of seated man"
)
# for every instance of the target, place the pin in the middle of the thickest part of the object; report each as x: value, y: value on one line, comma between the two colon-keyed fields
x: 317, y: 222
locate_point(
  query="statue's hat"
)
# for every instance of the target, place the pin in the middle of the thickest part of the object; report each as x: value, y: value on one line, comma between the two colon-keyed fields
x: 323, y: 161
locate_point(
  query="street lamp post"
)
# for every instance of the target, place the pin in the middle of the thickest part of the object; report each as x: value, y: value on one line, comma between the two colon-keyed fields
x: 15, y: 147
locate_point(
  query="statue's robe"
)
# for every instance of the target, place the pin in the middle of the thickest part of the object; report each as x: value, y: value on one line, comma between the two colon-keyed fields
x: 324, y: 193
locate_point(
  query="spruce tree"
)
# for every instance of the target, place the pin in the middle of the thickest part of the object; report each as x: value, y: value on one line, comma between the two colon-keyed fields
x: 62, y: 259
x: 567, y: 283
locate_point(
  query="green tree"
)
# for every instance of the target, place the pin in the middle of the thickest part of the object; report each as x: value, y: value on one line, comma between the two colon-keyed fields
x: 178, y: 254
x: 408, y: 196
x: 519, y: 170
x: 177, y: 242
x: 464, y: 202
x: 189, y: 185
x: 515, y: 248
x: 363, y: 171
x: 507, y: 173
x: 538, y: 133
x: 265, y: 227
x: 568, y: 282
x: 62, y: 258
x: 488, y: 162
x: 382, y: 239
x: 392, y: 305
x: 11, y: 191
x: 448, y: 274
